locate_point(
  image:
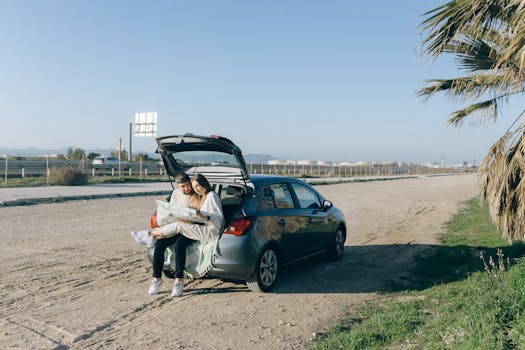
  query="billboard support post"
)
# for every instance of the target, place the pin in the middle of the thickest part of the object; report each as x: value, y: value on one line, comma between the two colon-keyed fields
x: 130, y: 157
x: 119, y: 157
x: 6, y: 169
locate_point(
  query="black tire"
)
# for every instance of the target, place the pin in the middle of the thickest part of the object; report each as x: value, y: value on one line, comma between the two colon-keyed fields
x: 169, y: 274
x: 337, y: 249
x: 266, y: 271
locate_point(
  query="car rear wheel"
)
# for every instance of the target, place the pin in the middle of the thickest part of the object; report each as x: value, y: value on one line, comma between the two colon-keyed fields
x: 337, y: 248
x: 266, y: 272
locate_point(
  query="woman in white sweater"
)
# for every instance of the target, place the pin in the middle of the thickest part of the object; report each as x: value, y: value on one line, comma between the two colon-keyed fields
x: 183, y: 234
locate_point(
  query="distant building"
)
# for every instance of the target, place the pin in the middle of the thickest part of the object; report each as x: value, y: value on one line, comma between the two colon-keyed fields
x: 434, y: 165
x: 362, y: 163
x: 389, y: 163
x: 322, y: 162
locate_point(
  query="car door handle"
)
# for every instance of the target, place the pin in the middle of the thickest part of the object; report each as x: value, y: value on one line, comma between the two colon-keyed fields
x: 312, y: 220
x: 282, y: 222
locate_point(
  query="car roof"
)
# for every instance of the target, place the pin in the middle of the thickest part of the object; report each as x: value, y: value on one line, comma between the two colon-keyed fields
x: 261, y: 179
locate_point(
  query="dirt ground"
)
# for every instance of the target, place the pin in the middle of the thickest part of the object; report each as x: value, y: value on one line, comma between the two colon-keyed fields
x: 73, y: 278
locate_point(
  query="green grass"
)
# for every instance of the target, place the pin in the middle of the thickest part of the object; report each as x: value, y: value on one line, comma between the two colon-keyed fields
x: 458, y: 301
x: 127, y: 179
x: 472, y: 226
x: 24, y: 182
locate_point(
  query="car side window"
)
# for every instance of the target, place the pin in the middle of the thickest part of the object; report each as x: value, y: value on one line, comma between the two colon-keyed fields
x: 278, y: 196
x: 306, y: 197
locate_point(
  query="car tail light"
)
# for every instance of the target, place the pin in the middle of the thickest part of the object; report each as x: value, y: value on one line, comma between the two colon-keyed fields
x: 240, y: 225
x: 153, y: 221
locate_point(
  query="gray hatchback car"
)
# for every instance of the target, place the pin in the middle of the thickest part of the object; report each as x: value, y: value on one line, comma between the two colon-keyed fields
x: 270, y: 221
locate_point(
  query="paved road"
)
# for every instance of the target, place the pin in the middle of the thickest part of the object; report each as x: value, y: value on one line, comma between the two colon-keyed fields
x: 34, y: 195
x: 47, y: 194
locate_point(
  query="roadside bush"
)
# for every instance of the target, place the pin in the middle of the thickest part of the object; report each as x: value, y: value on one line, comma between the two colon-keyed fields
x: 67, y: 177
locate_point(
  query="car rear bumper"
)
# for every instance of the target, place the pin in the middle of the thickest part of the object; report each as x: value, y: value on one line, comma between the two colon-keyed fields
x: 237, y: 258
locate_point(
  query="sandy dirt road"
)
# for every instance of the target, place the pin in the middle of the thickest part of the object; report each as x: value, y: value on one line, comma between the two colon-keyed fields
x: 72, y: 277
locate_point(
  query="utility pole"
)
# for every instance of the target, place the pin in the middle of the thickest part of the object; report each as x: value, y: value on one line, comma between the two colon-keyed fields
x: 130, y: 138
x: 6, y: 168
x: 119, y: 156
x: 47, y: 168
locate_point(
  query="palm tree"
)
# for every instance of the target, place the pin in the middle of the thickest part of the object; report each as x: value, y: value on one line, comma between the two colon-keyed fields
x: 488, y: 38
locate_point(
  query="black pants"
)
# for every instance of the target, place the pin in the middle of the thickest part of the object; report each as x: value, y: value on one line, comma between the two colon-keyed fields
x: 181, y: 242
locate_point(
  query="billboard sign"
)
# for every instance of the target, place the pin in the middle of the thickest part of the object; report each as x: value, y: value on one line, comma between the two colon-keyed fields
x: 146, y: 124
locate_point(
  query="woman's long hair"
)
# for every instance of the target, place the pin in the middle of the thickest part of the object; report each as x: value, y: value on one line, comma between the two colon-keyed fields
x: 203, y: 181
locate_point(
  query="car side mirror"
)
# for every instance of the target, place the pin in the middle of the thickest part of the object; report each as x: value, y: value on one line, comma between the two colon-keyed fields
x: 327, y: 204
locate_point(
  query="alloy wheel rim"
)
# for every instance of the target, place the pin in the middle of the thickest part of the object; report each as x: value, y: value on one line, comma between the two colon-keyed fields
x: 268, y: 267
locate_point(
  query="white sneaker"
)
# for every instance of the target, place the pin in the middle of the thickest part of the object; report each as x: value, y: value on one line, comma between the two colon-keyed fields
x: 178, y: 288
x: 154, y: 288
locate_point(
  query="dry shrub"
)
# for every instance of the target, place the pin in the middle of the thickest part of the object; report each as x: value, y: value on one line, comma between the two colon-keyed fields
x: 68, y: 177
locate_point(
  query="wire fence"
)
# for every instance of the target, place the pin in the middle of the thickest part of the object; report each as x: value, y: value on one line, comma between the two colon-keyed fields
x: 41, y: 168
x: 15, y: 168
x: 365, y: 170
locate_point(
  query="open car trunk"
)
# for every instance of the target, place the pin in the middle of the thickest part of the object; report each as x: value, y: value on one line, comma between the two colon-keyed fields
x: 215, y: 157
x: 231, y: 198
x: 219, y: 160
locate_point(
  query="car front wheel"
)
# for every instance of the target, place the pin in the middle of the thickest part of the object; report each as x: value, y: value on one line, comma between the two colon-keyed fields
x: 265, y: 275
x: 338, y: 245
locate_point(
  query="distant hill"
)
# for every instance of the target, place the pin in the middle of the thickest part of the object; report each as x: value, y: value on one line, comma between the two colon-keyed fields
x: 34, y: 152
x: 258, y: 158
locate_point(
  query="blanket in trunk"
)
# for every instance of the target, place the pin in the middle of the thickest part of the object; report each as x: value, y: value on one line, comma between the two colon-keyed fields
x: 200, y: 256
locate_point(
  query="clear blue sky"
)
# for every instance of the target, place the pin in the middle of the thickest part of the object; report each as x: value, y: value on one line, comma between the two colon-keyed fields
x: 332, y: 80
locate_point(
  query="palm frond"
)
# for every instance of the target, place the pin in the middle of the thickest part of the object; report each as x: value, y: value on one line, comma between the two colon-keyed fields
x: 458, y: 18
x: 515, y: 51
x: 474, y: 54
x: 502, y: 182
x: 474, y: 86
x: 489, y: 177
x: 488, y: 38
x: 485, y: 110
